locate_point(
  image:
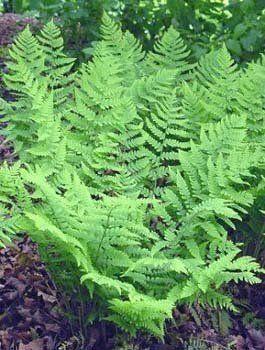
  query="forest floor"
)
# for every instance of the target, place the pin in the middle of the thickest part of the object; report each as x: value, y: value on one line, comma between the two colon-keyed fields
x: 33, y: 315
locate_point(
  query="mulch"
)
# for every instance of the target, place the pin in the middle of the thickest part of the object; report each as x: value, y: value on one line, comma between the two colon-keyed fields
x: 32, y: 316
x: 11, y: 24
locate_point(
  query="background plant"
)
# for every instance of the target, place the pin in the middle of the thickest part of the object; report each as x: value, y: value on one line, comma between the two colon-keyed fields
x: 79, y: 19
x: 203, y: 24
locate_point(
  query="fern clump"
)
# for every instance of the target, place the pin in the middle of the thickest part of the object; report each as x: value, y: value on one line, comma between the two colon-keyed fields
x: 133, y: 170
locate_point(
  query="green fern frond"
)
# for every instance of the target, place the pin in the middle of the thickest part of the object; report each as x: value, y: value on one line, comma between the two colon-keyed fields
x: 146, y: 313
x: 169, y: 53
x: 58, y: 66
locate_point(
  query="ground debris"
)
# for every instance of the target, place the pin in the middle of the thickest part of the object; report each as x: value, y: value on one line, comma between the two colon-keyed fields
x: 30, y: 316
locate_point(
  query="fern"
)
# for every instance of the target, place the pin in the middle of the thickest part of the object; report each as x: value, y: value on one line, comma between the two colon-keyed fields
x: 250, y: 99
x: 134, y: 170
x: 26, y: 52
x: 105, y: 109
x: 203, y: 344
x: 169, y: 53
x: 145, y: 312
x: 52, y: 44
x: 108, y: 242
x: 13, y: 200
x: 166, y: 130
x: 58, y: 65
x: 40, y: 79
x: 205, y: 197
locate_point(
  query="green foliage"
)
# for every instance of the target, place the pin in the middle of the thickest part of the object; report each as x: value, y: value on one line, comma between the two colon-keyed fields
x: 244, y: 31
x: 79, y: 19
x: 40, y: 80
x: 203, y: 344
x: 203, y: 24
x: 134, y: 170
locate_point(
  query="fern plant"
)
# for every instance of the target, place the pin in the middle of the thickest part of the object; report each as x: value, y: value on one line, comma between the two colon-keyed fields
x: 203, y: 344
x: 133, y: 171
x: 38, y: 94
